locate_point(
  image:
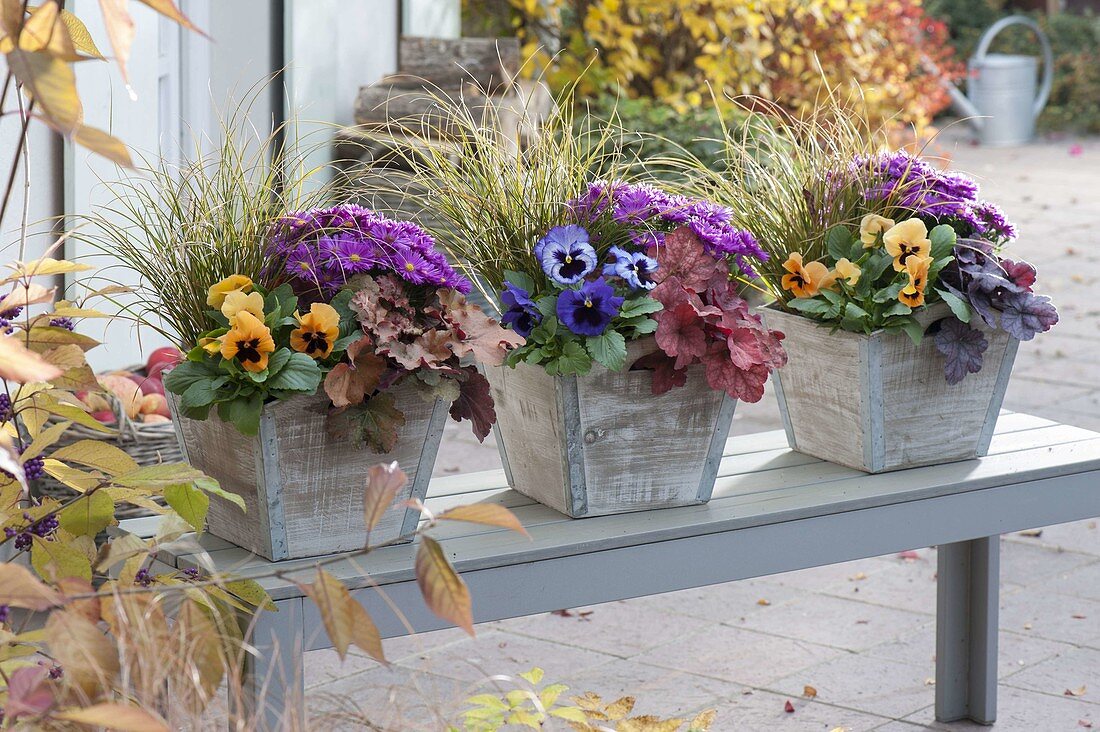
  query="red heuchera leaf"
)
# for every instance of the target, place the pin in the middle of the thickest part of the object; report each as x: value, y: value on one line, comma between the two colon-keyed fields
x: 477, y: 333
x: 744, y: 348
x: 744, y: 384
x: 431, y: 349
x: 665, y: 374
x: 680, y: 334
x: 350, y: 383
x: 475, y: 403
x: 682, y: 256
x: 380, y: 421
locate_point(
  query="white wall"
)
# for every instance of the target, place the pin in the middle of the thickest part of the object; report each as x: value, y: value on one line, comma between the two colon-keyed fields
x: 432, y: 18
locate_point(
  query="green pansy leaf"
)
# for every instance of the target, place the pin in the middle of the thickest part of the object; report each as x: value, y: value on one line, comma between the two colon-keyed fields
x: 888, y: 293
x: 898, y: 308
x: 644, y: 327
x: 574, y: 359
x: 813, y: 306
x: 200, y: 394
x: 875, y: 265
x: 959, y: 307
x: 547, y: 306
x: 182, y: 376
x: 854, y: 312
x: 545, y: 330
x: 640, y: 306
x: 943, y: 241
x: 608, y: 349
x: 243, y: 412
x: 913, y: 329
x: 301, y: 373
x: 838, y: 242
x: 519, y: 279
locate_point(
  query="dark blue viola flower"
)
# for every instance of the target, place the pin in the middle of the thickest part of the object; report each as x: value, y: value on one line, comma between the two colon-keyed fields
x: 520, y: 315
x: 589, y: 310
x: 634, y: 267
x: 565, y: 254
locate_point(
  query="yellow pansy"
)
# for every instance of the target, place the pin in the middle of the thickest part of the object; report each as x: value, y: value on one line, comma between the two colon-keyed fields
x: 844, y: 270
x: 803, y: 280
x: 249, y: 341
x: 913, y: 293
x: 215, y: 296
x: 211, y: 345
x: 905, y: 240
x: 871, y: 227
x: 237, y: 301
x: 317, y: 331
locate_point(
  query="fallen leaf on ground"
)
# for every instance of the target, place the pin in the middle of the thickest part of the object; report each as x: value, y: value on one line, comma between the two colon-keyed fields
x: 1077, y: 616
x: 1079, y: 691
x: 929, y: 681
x: 788, y: 707
x: 1027, y: 626
x: 809, y: 692
x: 909, y: 556
x: 1033, y: 533
x: 1076, y: 150
x: 1084, y: 723
x: 763, y: 602
x: 857, y: 577
x: 863, y: 622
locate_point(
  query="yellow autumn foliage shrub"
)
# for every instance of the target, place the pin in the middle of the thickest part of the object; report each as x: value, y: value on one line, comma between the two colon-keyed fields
x: 788, y: 51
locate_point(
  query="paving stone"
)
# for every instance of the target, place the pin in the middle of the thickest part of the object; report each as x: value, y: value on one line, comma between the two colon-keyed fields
x: 1069, y: 671
x: 1054, y: 617
x: 1024, y: 563
x: 908, y: 585
x: 874, y: 685
x: 837, y: 622
x: 497, y: 652
x: 391, y: 698
x: 816, y: 579
x: 1022, y: 711
x: 322, y: 667
x: 1079, y: 582
x: 661, y: 691
x: 420, y: 644
x: 617, y: 628
x: 1015, y: 650
x: 1079, y: 536
x: 739, y: 655
x: 763, y: 710
x: 731, y: 602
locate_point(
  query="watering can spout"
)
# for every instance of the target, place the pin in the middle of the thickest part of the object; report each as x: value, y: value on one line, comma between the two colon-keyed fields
x: 962, y: 104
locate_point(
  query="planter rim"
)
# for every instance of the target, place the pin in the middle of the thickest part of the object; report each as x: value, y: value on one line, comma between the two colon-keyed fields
x: 935, y: 311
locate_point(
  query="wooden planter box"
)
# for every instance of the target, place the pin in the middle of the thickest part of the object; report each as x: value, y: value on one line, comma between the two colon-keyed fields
x: 304, y: 489
x: 602, y: 443
x: 877, y: 402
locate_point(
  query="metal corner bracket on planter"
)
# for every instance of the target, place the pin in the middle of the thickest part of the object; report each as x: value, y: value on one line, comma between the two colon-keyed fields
x: 877, y: 402
x: 303, y: 488
x: 603, y: 443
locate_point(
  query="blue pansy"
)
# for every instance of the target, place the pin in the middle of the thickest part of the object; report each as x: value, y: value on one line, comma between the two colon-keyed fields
x: 521, y: 314
x: 565, y: 254
x: 634, y: 267
x: 589, y: 310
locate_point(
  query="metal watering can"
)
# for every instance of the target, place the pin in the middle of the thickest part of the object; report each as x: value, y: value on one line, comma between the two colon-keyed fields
x: 1001, y: 97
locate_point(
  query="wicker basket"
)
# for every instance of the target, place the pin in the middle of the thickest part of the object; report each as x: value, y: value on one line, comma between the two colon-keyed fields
x: 147, y: 444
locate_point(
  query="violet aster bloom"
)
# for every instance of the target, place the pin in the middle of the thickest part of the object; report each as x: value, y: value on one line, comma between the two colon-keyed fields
x: 635, y: 268
x: 521, y: 314
x: 994, y: 222
x: 349, y: 253
x: 303, y: 263
x: 565, y: 254
x: 589, y: 310
x: 414, y: 267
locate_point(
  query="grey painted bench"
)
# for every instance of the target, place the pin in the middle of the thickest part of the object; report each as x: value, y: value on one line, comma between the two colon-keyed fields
x: 773, y: 511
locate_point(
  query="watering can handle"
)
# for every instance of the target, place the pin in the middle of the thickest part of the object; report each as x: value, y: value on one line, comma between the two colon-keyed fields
x: 1048, y: 56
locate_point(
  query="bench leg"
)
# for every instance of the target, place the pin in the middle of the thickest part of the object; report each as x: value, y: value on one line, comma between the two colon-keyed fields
x: 272, y: 688
x: 966, y: 630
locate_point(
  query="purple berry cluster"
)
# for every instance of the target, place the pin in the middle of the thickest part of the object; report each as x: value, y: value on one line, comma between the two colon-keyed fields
x: 41, y: 528
x: 6, y: 317
x: 322, y: 248
x: 143, y: 577
x: 6, y: 413
x: 652, y: 212
x: 66, y: 323
x: 5, y: 613
x: 942, y: 196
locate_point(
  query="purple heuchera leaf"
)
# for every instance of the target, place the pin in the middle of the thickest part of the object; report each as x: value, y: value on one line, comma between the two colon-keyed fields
x: 962, y: 348
x: 1024, y: 314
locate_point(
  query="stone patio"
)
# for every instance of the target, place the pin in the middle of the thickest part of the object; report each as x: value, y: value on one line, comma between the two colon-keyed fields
x: 861, y: 634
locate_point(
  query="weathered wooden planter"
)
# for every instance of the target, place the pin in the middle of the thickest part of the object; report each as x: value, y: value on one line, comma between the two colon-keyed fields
x: 877, y: 402
x: 602, y: 443
x: 302, y: 487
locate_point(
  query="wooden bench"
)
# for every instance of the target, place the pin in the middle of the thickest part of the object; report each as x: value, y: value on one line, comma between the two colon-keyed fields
x: 773, y: 511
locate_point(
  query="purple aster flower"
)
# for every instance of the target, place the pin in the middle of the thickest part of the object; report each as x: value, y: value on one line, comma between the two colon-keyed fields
x: 634, y: 267
x: 565, y: 254
x: 592, y: 203
x: 993, y: 221
x: 635, y: 204
x: 521, y: 314
x: 348, y: 253
x: 413, y: 266
x: 303, y: 263
x: 589, y: 310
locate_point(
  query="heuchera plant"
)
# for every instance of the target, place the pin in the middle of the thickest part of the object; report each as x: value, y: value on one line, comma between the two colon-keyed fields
x: 926, y: 238
x: 384, y: 306
x: 635, y: 261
